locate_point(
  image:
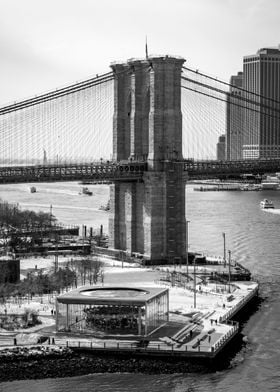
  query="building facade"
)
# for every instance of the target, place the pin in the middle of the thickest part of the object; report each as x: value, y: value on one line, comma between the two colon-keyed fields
x: 261, y: 125
x: 234, y: 119
x: 252, y: 114
x: 221, y: 148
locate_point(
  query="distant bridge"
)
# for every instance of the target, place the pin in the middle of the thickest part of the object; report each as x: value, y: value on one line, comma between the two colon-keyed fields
x: 39, y: 231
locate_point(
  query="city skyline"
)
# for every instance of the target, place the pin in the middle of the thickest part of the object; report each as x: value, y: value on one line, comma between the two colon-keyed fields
x: 252, y: 107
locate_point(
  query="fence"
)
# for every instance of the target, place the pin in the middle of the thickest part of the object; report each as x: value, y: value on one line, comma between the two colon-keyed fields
x: 240, y: 304
x: 225, y: 338
x: 151, y: 347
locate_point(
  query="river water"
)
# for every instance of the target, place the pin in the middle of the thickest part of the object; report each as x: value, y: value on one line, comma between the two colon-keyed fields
x: 252, y: 235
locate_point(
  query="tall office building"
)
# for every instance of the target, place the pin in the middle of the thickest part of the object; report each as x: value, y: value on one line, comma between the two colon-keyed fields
x: 261, y: 125
x: 234, y: 119
x: 221, y: 148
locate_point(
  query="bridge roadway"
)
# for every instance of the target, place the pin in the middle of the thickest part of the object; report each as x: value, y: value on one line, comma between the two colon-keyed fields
x: 109, y: 171
x: 227, y: 169
x: 95, y: 171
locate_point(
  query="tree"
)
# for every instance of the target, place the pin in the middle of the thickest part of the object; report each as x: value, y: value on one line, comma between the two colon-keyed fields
x: 89, y: 269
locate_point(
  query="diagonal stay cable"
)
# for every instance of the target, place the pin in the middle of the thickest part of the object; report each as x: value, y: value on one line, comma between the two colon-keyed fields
x: 240, y: 98
x: 56, y: 94
x: 231, y: 103
x: 231, y: 85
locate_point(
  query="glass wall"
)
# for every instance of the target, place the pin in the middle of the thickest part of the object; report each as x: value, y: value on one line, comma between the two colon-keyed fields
x: 156, y: 312
x: 113, y: 319
x: 122, y: 319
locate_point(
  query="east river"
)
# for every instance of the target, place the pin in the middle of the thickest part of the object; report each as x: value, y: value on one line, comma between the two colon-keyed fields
x: 252, y: 235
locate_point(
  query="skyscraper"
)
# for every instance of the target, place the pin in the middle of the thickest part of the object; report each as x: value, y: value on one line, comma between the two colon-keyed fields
x: 221, y: 147
x: 261, y: 124
x: 234, y: 119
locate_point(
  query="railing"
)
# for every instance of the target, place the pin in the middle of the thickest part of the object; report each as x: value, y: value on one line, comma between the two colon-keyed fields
x: 150, y: 348
x: 225, y: 338
x: 109, y: 171
x: 215, y: 168
x: 131, y: 170
x: 240, y: 304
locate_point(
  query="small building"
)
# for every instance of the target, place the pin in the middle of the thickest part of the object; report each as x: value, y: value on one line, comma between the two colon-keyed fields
x: 9, y: 269
x: 114, y: 310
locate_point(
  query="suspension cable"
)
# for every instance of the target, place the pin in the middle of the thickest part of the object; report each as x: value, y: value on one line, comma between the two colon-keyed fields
x: 63, y: 91
x: 230, y: 85
x: 231, y: 103
x: 241, y: 98
x: 57, y: 93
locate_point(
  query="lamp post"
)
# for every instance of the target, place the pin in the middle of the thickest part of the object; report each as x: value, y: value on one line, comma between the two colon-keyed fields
x: 194, y: 284
x: 224, y: 236
x: 50, y: 215
x: 187, y: 258
x: 229, y: 261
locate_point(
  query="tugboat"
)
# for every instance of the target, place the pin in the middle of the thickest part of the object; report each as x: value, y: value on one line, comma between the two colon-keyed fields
x: 85, y: 191
x: 32, y: 189
x: 266, y: 204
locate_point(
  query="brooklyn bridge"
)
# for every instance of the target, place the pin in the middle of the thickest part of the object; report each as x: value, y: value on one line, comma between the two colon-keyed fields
x: 162, y: 114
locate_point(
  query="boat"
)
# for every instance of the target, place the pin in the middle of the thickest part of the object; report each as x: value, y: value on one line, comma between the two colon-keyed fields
x: 85, y: 191
x: 265, y: 203
x: 250, y: 187
x: 32, y: 189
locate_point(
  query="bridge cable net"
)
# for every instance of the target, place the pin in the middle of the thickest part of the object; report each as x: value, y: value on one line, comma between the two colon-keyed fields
x: 72, y: 124
x: 211, y: 106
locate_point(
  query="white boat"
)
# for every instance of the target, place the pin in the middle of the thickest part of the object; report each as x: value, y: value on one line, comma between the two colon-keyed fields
x: 265, y: 203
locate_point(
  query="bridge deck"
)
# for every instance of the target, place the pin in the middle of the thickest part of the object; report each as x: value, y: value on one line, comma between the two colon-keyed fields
x: 132, y: 170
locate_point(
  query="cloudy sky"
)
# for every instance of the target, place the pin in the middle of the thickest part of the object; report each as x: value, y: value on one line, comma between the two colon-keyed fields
x: 46, y: 44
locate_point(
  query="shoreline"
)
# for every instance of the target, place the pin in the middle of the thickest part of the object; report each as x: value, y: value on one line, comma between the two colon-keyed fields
x: 24, y: 363
x: 73, y: 364
x: 81, y: 364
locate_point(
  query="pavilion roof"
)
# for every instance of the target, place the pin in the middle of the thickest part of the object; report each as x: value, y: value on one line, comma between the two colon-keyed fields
x: 112, y: 295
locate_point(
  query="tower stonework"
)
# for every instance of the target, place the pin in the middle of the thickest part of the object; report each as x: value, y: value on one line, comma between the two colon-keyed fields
x: 148, y: 217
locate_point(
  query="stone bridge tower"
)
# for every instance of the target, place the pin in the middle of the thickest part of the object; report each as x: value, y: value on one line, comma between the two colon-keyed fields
x: 149, y: 217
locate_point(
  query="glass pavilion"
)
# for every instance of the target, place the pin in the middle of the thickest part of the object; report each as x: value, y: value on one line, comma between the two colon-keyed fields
x: 112, y: 310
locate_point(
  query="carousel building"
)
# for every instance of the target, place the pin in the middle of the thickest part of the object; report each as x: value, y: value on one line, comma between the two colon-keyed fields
x: 112, y: 310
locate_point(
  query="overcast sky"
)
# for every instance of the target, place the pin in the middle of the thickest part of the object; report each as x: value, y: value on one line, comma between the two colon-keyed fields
x: 46, y: 44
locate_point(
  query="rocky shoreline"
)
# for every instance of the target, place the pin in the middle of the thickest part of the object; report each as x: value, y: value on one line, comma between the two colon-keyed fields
x: 26, y: 364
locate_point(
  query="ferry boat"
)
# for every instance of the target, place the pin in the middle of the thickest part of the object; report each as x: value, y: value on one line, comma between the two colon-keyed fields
x: 85, y: 191
x: 265, y: 203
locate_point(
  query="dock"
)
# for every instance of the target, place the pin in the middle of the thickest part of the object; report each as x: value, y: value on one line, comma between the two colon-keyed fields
x: 205, y: 335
